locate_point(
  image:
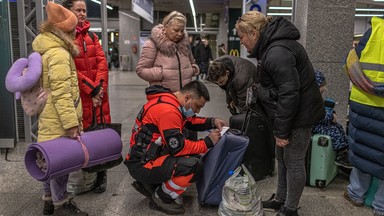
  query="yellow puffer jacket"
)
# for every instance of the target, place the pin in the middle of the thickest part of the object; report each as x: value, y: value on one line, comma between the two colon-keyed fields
x: 63, y: 108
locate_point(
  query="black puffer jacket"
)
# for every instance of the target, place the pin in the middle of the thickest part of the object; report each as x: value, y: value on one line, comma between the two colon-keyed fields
x: 240, y: 78
x: 288, y: 92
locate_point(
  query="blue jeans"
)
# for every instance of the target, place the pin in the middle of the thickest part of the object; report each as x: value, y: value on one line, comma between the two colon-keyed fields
x: 291, y: 174
x: 57, y: 188
x: 358, y: 187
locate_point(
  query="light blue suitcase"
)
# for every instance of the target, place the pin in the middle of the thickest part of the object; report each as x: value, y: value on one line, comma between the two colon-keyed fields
x: 322, y: 161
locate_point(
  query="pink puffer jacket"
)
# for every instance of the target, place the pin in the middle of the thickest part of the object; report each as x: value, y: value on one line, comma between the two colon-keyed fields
x: 166, y: 63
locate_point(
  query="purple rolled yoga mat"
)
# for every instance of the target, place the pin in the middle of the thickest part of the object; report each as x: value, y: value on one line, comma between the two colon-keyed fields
x: 65, y: 155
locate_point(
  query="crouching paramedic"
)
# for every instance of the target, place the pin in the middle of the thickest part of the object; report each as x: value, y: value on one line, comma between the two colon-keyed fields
x: 161, y: 160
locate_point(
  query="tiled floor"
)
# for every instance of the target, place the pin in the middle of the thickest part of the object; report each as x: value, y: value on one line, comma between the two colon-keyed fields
x: 20, y: 194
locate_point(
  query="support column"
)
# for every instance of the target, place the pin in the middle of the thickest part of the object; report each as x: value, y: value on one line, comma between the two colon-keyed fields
x: 7, y: 109
x: 129, y: 29
x: 326, y: 29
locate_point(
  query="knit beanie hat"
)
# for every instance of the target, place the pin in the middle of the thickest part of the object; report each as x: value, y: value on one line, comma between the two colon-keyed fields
x: 61, y: 17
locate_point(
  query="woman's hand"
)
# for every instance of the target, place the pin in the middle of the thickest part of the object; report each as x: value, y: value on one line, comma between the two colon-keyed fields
x: 73, y: 132
x: 196, y: 69
x: 232, y: 104
x: 281, y: 142
x: 96, y: 101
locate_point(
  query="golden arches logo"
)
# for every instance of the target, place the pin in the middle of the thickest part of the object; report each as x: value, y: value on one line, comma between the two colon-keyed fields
x: 234, y: 52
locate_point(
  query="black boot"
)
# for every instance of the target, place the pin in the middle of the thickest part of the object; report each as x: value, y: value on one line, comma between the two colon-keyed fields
x: 145, y: 189
x: 272, y: 204
x: 166, y: 206
x: 49, y: 208
x: 101, y: 182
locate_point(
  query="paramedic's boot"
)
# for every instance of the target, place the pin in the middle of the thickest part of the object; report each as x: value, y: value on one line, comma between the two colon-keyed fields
x: 69, y: 208
x: 101, y: 182
x: 272, y: 204
x: 168, y: 206
x: 145, y: 189
x: 49, y: 208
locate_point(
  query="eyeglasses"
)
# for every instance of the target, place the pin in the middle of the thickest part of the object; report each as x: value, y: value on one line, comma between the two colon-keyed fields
x: 81, y: 10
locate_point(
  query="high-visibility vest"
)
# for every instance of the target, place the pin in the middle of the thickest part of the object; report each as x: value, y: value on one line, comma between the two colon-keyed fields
x: 372, y: 61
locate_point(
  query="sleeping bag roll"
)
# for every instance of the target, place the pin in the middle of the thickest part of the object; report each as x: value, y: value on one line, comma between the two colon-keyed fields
x: 57, y: 157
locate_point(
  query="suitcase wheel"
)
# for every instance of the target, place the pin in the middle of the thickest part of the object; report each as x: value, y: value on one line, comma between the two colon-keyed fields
x: 320, y: 183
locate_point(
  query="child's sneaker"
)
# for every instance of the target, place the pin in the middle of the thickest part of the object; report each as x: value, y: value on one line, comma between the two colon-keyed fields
x: 69, y: 208
x: 343, y: 160
x: 49, y: 208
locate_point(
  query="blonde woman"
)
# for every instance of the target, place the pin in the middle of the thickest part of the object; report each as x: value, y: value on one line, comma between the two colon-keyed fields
x: 166, y: 58
x: 291, y: 97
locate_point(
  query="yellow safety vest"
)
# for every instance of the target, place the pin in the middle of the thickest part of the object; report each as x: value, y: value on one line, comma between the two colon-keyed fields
x: 372, y: 61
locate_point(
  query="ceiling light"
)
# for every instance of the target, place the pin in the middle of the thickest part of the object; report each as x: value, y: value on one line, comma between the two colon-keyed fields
x: 279, y: 14
x: 357, y: 9
x: 368, y: 15
x: 356, y: 15
x: 193, y: 13
x: 369, y: 9
x: 98, y: 2
x: 280, y: 8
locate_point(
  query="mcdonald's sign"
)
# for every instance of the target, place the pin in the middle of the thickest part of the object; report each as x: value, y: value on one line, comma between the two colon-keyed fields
x: 234, y: 52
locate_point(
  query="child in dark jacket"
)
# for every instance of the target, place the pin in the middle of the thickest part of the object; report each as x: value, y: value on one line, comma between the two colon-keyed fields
x: 329, y: 126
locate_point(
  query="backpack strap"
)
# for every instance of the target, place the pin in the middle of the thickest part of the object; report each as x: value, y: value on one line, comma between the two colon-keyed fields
x: 92, y: 35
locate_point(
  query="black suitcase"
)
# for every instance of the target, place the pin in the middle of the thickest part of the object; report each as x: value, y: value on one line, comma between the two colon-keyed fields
x: 260, y: 155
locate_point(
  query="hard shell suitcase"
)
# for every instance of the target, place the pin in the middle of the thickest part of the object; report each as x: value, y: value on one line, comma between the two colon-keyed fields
x: 260, y: 155
x: 224, y: 157
x: 322, y: 167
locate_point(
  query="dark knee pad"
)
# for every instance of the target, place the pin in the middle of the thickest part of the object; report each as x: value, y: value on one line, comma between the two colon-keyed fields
x: 188, y: 165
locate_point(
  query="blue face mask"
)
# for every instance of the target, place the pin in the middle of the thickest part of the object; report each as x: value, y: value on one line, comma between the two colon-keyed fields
x: 189, y: 112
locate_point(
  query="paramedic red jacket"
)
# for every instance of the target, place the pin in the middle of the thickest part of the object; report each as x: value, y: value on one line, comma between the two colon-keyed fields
x: 164, y: 111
